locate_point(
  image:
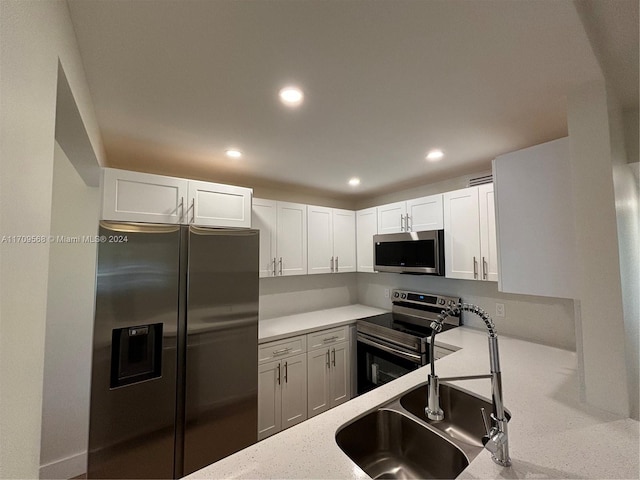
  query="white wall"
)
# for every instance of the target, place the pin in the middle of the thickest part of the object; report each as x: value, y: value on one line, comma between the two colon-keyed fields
x: 599, y: 318
x: 538, y: 319
x: 280, y: 296
x: 68, y: 339
x: 34, y: 36
x: 626, y: 205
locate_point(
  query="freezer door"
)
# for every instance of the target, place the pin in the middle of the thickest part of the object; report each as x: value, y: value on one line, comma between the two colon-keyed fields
x: 221, y: 402
x: 133, y: 386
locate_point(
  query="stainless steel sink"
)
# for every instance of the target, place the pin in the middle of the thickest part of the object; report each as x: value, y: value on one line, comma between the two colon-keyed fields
x: 397, y: 440
x: 463, y: 418
x: 388, y: 444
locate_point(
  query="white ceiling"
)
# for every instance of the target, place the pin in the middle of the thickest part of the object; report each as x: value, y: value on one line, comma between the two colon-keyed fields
x: 175, y: 83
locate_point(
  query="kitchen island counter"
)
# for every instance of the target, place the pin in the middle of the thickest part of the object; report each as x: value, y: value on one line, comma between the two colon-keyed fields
x: 552, y: 435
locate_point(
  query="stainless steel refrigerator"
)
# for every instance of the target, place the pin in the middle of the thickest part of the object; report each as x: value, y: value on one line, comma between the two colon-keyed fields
x: 174, y: 375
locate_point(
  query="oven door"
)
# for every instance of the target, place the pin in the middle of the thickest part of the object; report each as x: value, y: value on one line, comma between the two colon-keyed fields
x: 379, y: 362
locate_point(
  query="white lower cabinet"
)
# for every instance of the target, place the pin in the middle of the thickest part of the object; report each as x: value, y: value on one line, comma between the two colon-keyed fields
x: 329, y: 371
x: 282, y: 386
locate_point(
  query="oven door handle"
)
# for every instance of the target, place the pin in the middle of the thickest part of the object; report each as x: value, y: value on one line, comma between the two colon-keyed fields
x: 406, y: 355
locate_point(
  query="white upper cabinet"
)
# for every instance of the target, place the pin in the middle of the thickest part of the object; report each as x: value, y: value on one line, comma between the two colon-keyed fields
x: 143, y: 197
x: 469, y: 234
x: 264, y: 214
x: 291, y: 239
x: 344, y: 240
x: 283, y: 237
x: 217, y: 205
x: 366, y: 228
x: 391, y: 217
x: 488, y: 243
x: 535, y: 218
x: 414, y: 215
x: 462, y: 233
x: 331, y: 240
x: 424, y: 214
x: 320, y: 237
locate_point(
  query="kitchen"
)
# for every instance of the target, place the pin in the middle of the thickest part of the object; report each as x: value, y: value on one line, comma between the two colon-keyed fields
x: 47, y: 35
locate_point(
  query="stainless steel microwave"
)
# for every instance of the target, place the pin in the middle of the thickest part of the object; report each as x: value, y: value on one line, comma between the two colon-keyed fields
x: 410, y: 252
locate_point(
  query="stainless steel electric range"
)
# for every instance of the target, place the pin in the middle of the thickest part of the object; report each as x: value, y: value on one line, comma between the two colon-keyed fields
x: 392, y: 344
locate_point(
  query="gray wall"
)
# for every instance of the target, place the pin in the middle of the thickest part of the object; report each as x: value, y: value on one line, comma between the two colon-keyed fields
x: 538, y: 319
x: 280, y: 296
x: 70, y: 305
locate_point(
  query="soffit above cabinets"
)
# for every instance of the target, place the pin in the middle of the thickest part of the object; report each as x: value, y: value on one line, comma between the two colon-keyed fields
x: 176, y: 84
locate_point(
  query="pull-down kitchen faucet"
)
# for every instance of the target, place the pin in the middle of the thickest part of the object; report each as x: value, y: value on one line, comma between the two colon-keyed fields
x: 496, y: 440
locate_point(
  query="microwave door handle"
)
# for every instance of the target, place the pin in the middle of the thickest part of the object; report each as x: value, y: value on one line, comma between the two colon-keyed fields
x: 406, y: 355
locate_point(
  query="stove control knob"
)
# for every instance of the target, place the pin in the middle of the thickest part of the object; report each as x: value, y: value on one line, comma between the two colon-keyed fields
x: 441, y: 301
x: 451, y: 303
x: 396, y: 295
x: 404, y: 295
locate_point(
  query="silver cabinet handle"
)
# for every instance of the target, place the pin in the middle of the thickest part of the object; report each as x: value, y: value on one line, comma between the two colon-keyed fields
x: 330, y: 339
x: 333, y: 351
x: 274, y: 266
x: 281, y: 266
x: 406, y: 222
x: 282, y: 351
x: 475, y: 268
x: 328, y: 361
x: 402, y: 222
x: 337, y: 269
x: 278, y: 374
x: 193, y: 210
x: 484, y: 269
x: 285, y: 373
x: 181, y: 209
x: 331, y: 264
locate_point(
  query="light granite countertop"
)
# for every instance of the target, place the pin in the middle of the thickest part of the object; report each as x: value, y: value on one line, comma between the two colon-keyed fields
x: 552, y: 435
x: 282, y: 327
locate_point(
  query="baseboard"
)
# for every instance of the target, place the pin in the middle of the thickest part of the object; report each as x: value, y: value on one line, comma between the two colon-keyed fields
x: 65, y: 468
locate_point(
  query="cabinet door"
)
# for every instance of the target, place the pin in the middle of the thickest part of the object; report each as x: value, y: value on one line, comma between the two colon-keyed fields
x: 462, y: 234
x: 217, y: 205
x: 269, y: 399
x: 263, y: 217
x: 391, y: 217
x: 344, y: 240
x: 318, y: 386
x: 291, y: 237
x: 340, y: 376
x: 366, y: 228
x: 294, y: 390
x: 488, y: 244
x: 142, y: 197
x: 425, y: 213
x: 320, y: 238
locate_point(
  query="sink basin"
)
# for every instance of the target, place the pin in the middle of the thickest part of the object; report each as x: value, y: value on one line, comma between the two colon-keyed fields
x: 388, y: 444
x: 462, y: 416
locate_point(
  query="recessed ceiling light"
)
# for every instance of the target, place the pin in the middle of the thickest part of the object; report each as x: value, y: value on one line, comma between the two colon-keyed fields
x: 291, y: 96
x: 435, y: 155
x: 354, y: 182
x: 233, y: 153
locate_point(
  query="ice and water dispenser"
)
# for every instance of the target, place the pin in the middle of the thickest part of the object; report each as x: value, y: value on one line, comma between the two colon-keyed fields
x: 136, y: 354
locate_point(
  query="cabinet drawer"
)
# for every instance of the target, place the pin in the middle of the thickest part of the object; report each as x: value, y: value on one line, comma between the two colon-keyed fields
x: 282, y: 349
x: 327, y: 337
